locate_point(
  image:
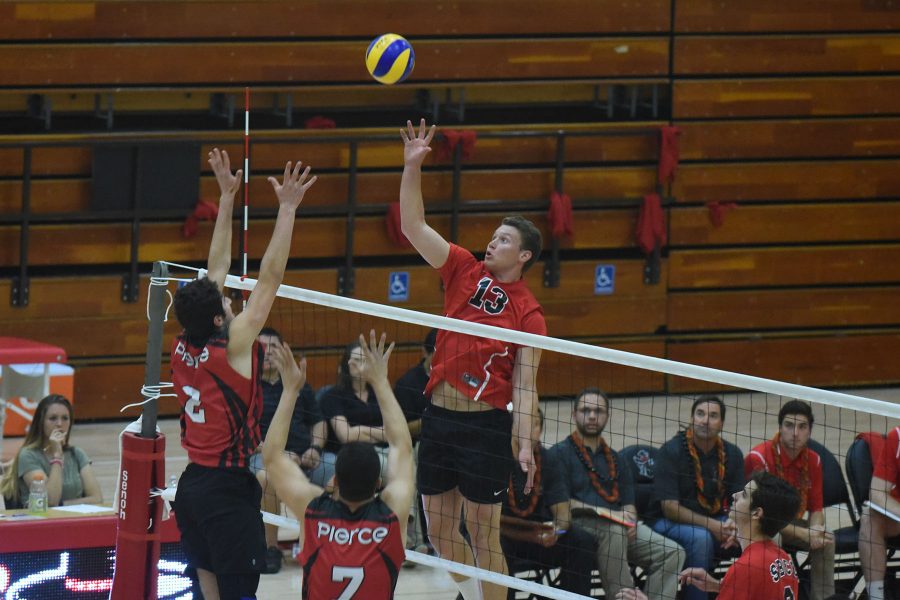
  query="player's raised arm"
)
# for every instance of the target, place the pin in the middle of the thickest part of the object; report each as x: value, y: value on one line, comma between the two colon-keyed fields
x: 220, y: 248
x: 291, y: 485
x: 247, y: 325
x: 525, y: 402
x: 400, y: 478
x: 428, y: 242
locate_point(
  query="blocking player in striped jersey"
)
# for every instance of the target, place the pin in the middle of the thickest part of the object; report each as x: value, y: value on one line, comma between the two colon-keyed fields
x: 353, y: 541
x: 216, y: 366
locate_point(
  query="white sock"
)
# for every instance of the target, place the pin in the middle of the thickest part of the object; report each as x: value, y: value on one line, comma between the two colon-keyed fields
x: 470, y: 588
x: 876, y: 590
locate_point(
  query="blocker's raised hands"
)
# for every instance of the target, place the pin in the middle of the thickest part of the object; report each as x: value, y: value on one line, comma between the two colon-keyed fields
x: 229, y: 182
x: 294, y: 185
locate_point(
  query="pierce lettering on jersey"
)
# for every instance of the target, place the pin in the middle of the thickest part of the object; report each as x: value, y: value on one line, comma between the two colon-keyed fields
x: 188, y: 359
x: 346, y: 537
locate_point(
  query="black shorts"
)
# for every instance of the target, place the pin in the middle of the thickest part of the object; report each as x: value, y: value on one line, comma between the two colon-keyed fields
x: 217, y: 511
x: 468, y: 450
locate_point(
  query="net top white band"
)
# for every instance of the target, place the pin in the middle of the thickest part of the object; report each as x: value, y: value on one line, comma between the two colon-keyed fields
x: 671, y: 367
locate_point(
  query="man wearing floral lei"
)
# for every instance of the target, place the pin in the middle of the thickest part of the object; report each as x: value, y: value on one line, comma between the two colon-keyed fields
x: 787, y: 456
x: 601, y: 489
x: 697, y: 472
x: 536, y: 526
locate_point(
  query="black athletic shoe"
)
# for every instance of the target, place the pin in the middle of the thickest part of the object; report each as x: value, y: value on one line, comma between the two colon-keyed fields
x: 273, y: 560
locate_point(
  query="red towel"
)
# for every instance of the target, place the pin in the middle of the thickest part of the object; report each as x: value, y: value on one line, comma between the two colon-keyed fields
x: 718, y: 210
x: 559, y: 215
x: 651, y: 224
x: 451, y: 138
x: 320, y: 122
x: 204, y: 211
x: 668, y: 153
x: 392, y: 224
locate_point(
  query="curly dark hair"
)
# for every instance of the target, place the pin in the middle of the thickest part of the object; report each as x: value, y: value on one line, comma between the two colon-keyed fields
x: 197, y: 304
x: 778, y: 499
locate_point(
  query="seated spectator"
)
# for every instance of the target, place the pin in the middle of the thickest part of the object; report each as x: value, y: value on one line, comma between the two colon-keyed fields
x: 70, y: 477
x: 697, y: 474
x: 880, y: 519
x: 306, y: 440
x: 601, y: 494
x: 787, y: 456
x: 351, y: 409
x: 410, y: 393
x: 536, y: 526
x: 410, y: 388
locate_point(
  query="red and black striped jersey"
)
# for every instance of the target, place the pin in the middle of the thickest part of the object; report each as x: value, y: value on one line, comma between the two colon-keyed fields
x: 220, y: 409
x: 350, y: 555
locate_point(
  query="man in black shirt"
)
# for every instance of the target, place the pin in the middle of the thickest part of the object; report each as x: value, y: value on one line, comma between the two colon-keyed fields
x: 410, y: 388
x: 305, y: 441
x: 536, y: 526
x: 697, y: 473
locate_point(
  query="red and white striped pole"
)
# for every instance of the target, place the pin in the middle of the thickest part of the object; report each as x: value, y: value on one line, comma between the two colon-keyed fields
x: 246, y: 217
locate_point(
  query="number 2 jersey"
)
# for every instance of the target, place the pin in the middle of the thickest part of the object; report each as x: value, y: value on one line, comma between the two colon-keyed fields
x: 350, y: 555
x: 220, y: 408
x: 481, y: 368
x: 763, y: 572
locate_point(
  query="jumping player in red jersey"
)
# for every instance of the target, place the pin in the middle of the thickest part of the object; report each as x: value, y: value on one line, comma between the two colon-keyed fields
x: 469, y: 438
x: 216, y: 366
x: 762, y: 509
x: 353, y: 540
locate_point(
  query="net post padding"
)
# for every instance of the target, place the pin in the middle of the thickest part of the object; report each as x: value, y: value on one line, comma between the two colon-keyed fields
x: 137, y: 537
x: 620, y: 357
x: 142, y: 468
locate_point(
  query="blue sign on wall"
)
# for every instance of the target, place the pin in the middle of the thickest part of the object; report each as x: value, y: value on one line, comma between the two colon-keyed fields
x: 398, y: 286
x: 604, y: 279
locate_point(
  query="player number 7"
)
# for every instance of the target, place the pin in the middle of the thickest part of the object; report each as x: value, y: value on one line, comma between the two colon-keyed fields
x: 354, y: 574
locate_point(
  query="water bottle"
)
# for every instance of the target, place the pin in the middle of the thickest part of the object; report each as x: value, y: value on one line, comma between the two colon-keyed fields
x: 37, y: 495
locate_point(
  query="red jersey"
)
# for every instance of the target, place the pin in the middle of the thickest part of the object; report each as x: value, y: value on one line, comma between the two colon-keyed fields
x: 481, y: 368
x: 764, y: 456
x: 888, y: 468
x: 350, y: 555
x: 763, y: 572
x: 220, y: 409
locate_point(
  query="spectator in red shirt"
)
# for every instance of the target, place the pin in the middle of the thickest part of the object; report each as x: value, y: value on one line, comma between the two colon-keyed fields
x: 787, y: 456
x: 881, y: 518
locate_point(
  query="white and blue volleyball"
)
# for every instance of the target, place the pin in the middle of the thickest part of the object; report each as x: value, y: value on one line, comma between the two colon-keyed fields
x: 390, y: 58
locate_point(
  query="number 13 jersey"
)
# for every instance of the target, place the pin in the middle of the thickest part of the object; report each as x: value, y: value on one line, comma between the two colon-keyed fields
x: 481, y: 368
x: 350, y: 556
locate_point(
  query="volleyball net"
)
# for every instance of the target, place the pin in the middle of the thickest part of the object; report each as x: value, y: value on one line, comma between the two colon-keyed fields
x: 648, y: 402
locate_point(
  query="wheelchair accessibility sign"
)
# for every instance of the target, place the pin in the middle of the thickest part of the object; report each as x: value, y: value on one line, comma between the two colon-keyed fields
x: 604, y: 280
x: 398, y: 286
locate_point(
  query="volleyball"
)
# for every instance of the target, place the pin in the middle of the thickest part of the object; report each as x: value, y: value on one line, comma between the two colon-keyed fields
x: 390, y: 58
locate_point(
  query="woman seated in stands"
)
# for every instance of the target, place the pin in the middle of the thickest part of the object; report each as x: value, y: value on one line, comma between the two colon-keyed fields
x: 69, y: 475
x: 351, y: 408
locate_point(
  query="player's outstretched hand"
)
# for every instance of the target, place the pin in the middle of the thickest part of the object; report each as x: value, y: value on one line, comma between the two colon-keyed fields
x: 375, y: 365
x: 699, y: 578
x: 416, y: 145
x: 293, y: 374
x: 229, y: 182
x: 291, y: 190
